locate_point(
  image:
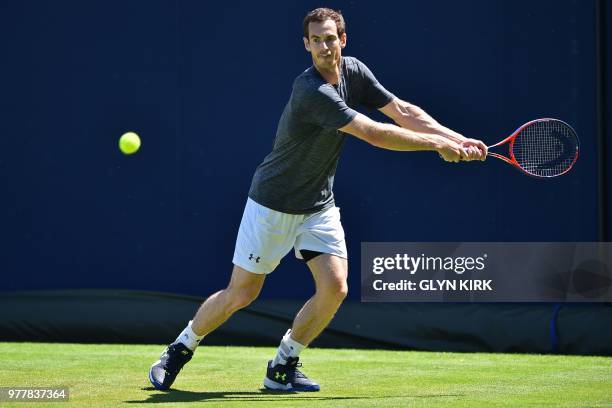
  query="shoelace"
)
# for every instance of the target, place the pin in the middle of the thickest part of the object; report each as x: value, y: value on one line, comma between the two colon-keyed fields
x: 175, y: 362
x: 298, y: 373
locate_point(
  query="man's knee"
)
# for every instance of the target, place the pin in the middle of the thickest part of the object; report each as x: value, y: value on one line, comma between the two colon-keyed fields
x: 334, y: 291
x: 239, y: 298
x: 342, y: 291
x: 244, y: 287
x: 330, y: 273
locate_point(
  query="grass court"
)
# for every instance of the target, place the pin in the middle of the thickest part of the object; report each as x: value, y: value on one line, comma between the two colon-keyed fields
x: 116, y: 375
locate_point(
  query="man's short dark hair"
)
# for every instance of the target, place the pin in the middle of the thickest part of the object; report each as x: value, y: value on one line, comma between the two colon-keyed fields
x: 322, y: 14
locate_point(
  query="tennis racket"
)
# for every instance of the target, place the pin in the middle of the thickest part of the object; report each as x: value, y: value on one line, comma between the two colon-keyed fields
x: 541, y: 148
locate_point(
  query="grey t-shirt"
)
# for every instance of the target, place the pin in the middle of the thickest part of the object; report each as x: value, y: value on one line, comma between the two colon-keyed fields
x: 298, y: 175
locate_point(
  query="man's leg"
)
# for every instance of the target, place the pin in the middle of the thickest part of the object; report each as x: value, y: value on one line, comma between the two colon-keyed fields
x: 330, y: 273
x: 244, y: 287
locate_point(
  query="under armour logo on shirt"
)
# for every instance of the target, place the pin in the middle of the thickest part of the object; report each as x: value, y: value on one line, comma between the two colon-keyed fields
x: 256, y: 259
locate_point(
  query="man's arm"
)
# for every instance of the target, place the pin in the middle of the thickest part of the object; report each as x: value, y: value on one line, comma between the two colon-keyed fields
x: 391, y: 137
x: 412, y: 117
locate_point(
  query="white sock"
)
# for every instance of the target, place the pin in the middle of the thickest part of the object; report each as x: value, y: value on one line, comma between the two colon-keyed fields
x: 287, y: 348
x: 189, y: 338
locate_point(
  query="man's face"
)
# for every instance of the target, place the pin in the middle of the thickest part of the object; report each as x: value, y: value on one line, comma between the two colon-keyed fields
x: 324, y: 44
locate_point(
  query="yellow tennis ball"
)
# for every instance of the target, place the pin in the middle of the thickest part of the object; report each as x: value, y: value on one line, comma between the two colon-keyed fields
x: 129, y: 143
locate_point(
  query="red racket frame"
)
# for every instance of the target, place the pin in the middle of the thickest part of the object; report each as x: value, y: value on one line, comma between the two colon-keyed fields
x: 512, y: 160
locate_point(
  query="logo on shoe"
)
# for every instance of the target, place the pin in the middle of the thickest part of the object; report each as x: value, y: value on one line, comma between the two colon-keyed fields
x: 251, y: 257
x: 278, y: 376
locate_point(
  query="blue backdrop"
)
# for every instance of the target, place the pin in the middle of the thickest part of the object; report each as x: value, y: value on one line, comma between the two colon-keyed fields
x: 204, y: 84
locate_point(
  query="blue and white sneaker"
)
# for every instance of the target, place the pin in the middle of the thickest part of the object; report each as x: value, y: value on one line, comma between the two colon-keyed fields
x: 164, y: 371
x: 287, y: 377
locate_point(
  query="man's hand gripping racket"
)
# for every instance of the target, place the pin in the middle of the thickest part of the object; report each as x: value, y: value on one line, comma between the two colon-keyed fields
x: 541, y: 148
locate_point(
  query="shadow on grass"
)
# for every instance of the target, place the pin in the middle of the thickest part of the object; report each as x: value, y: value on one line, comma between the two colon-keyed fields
x: 260, y: 395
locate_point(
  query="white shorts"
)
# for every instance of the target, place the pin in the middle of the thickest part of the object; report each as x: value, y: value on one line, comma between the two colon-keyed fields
x: 266, y: 236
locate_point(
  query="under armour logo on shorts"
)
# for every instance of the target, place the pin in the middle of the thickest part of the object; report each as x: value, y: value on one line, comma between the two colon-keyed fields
x: 256, y: 259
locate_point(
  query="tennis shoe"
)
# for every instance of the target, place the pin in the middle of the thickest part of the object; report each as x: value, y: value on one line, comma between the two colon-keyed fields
x: 287, y: 377
x: 164, y: 371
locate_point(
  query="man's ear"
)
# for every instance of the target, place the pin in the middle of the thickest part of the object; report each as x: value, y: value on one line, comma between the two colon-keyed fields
x: 306, y: 44
x: 343, y: 40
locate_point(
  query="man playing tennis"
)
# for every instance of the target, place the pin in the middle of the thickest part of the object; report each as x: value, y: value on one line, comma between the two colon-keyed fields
x: 291, y: 204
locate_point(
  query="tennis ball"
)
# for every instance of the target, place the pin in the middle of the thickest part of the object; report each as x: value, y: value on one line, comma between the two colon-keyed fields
x: 129, y: 143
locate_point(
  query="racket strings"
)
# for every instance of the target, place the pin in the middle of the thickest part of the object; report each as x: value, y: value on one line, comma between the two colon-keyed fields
x: 546, y: 148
